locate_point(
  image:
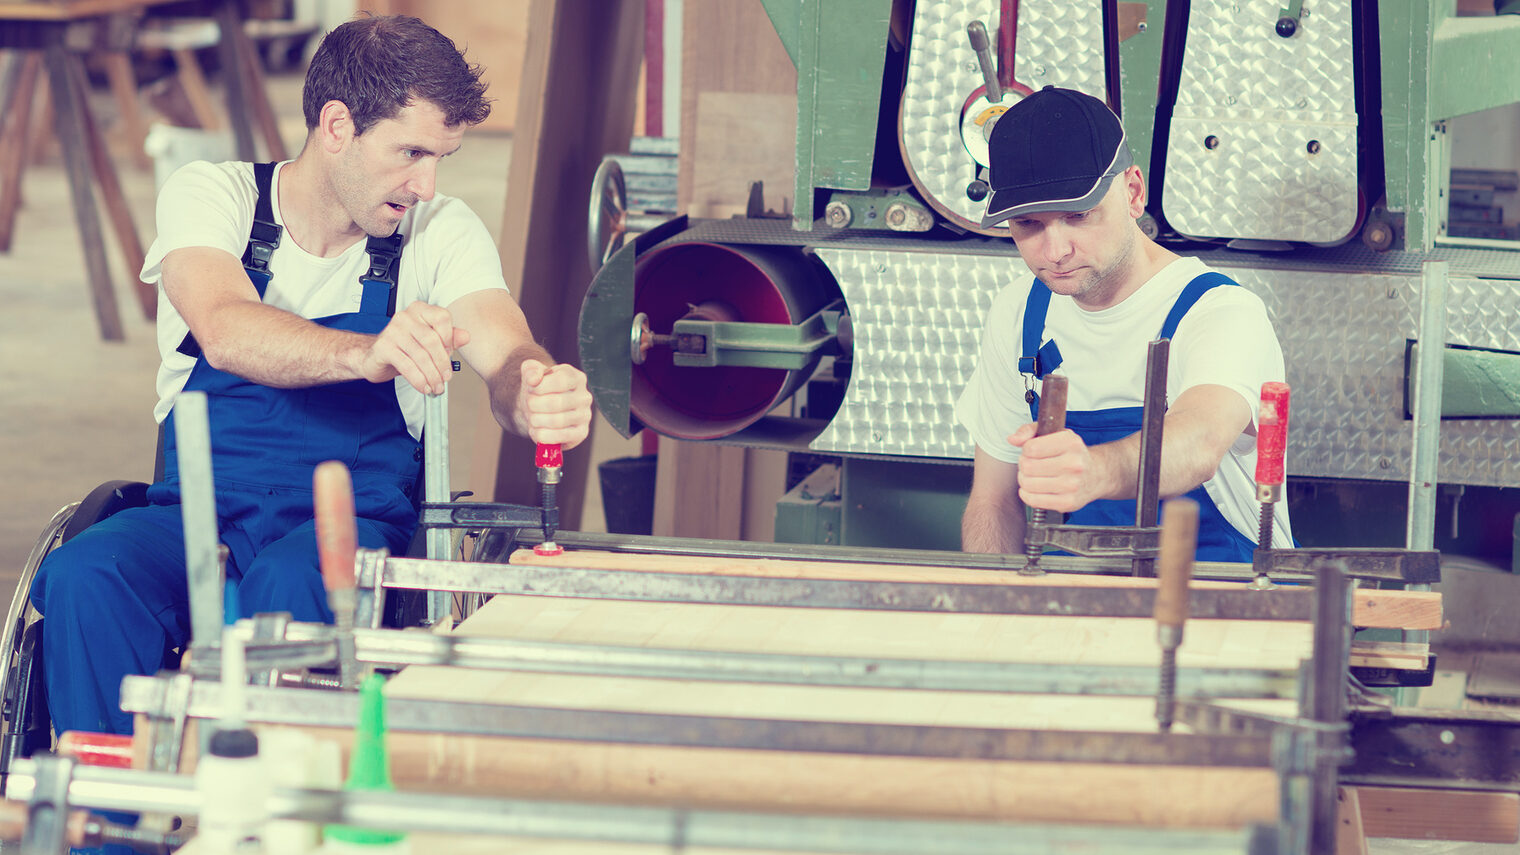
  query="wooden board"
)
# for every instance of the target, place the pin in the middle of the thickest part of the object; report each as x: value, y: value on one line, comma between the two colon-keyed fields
x: 1430, y: 814
x: 1370, y: 607
x: 771, y: 780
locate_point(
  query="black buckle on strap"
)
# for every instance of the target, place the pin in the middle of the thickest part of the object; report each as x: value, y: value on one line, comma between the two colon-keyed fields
x: 384, y: 258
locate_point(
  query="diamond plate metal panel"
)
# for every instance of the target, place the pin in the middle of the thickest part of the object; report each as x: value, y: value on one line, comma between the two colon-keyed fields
x: 1263, y: 134
x: 1059, y: 42
x: 917, y: 320
x: 918, y: 317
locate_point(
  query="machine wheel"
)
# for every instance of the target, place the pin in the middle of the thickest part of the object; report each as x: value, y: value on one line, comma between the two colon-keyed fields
x: 24, y: 720
x: 607, y: 215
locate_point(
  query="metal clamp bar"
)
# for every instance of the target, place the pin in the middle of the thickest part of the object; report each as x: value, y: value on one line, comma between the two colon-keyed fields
x: 309, y: 645
x: 1074, y: 601
x: 1096, y: 541
x: 1148, y: 480
x: 1397, y: 565
x: 339, y: 709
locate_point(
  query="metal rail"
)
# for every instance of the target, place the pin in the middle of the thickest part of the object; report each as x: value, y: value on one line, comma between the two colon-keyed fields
x: 307, y: 645
x: 152, y: 696
x: 1295, y: 604
x: 142, y: 791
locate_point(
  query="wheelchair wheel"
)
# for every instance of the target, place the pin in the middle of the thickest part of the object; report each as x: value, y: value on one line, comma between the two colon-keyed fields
x: 25, y: 726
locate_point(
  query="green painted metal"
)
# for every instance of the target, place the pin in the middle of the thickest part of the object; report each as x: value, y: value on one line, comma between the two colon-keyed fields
x: 1474, y: 65
x: 785, y: 16
x: 903, y: 504
x: 1476, y: 383
x: 605, y: 332
x: 841, y: 54
x: 1405, y: 33
x: 1139, y: 69
x: 810, y: 511
x: 870, y: 209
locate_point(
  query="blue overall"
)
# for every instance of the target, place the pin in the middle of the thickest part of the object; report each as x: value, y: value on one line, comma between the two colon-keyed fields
x: 115, y: 598
x: 1217, y: 539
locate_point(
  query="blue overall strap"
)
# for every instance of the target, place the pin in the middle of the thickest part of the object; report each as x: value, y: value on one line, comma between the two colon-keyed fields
x: 263, y: 239
x: 1201, y: 284
x: 1035, y: 359
x: 380, y: 281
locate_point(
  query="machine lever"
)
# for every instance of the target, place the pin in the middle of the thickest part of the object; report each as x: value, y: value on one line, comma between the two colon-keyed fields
x: 977, y: 32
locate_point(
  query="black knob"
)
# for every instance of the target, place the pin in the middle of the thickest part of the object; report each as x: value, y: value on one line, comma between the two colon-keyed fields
x: 1286, y: 27
x: 977, y: 190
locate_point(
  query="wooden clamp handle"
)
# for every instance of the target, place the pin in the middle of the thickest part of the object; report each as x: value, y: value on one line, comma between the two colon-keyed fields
x: 1179, y: 542
x: 337, y: 534
x: 1052, y: 405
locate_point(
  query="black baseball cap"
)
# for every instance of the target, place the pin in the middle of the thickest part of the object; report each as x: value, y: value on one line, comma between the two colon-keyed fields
x: 1054, y: 150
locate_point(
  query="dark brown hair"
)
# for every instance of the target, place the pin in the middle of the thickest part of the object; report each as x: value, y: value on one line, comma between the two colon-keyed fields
x: 377, y: 65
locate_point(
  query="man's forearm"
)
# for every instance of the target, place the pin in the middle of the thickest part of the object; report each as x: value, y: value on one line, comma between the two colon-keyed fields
x: 1186, y: 462
x: 987, y: 527
x: 284, y: 351
x: 506, y: 388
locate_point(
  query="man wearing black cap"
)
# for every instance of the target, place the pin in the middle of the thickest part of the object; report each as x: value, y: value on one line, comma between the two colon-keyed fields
x: 1064, y: 181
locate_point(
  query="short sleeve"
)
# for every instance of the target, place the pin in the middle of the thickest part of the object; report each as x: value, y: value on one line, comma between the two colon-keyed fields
x: 1227, y: 340
x: 205, y: 205
x: 456, y: 253
x: 992, y: 405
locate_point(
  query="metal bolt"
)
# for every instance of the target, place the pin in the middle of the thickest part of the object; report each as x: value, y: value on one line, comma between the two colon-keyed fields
x: 1385, y: 463
x: 837, y: 215
x: 1229, y: 99
x: 1211, y: 142
x: 1140, y: 27
x: 1313, y: 146
x: 1041, y: 70
x: 1447, y: 737
x: 897, y: 214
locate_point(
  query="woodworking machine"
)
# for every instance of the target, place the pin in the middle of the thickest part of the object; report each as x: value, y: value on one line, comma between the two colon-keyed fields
x: 1303, y: 151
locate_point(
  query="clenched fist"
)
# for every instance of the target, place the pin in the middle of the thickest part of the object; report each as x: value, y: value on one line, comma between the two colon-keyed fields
x: 553, y: 404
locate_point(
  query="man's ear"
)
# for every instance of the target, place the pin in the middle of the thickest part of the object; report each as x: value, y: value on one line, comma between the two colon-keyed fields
x: 1135, y: 190
x: 335, y: 126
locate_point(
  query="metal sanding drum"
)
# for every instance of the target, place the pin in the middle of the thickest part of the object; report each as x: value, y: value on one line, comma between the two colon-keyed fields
x: 751, y: 284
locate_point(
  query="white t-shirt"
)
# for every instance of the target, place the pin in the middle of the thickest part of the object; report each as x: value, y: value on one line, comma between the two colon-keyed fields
x: 447, y: 253
x: 1225, y: 339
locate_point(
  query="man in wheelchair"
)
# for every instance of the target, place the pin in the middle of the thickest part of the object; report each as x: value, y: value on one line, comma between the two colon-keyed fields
x: 315, y: 302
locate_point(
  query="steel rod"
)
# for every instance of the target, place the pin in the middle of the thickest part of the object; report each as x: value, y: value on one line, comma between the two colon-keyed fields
x: 435, y: 453
x: 1430, y: 355
x: 192, y: 436
x: 1148, y: 480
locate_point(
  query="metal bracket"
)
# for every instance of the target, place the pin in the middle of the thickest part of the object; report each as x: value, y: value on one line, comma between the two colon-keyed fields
x: 1397, y: 565
x: 47, y: 812
x: 1096, y: 541
x: 707, y: 344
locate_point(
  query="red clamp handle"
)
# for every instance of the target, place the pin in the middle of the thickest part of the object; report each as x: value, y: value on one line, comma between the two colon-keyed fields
x: 548, y: 455
x: 1272, y: 434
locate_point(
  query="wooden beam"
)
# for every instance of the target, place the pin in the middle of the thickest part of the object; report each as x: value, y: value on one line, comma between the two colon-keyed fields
x: 731, y: 779
x: 1393, y: 655
x: 576, y: 105
x: 1431, y: 814
x: 1350, y: 836
x: 1371, y: 607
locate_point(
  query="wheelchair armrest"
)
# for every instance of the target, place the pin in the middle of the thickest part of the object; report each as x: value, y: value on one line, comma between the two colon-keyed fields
x: 102, y: 502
